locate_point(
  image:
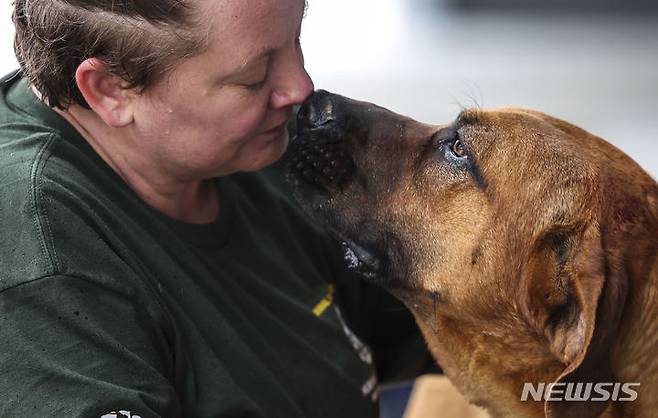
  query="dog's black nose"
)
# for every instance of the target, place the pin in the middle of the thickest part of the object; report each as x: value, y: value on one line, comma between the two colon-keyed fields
x: 318, y: 111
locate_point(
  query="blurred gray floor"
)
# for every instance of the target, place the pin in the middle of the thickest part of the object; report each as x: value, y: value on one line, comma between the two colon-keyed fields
x: 416, y: 57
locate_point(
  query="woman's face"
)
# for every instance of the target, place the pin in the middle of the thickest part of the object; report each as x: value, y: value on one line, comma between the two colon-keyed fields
x: 226, y: 109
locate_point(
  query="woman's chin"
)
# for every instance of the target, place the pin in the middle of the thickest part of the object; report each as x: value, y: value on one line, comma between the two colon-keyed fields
x: 269, y: 152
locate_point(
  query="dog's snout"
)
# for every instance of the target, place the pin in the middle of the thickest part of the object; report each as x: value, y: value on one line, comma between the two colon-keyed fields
x: 319, y: 154
x: 318, y: 111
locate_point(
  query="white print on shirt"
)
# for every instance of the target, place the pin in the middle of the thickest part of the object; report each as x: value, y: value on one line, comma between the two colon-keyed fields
x: 120, y: 414
x: 369, y: 388
x: 360, y: 347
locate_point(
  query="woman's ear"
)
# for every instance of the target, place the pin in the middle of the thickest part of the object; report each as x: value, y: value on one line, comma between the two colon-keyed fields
x: 575, y: 297
x: 105, y: 92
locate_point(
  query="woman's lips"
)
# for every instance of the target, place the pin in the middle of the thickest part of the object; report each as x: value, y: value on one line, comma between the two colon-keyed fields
x: 277, y: 129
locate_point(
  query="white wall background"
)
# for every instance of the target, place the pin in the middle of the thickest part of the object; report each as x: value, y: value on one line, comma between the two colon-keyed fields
x: 417, y: 58
x: 7, y: 59
x: 424, y: 60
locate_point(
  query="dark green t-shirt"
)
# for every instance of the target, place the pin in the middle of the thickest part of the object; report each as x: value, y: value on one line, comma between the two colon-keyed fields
x: 106, y: 305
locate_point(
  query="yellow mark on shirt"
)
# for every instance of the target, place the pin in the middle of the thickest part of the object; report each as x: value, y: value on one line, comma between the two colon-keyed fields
x: 326, y: 301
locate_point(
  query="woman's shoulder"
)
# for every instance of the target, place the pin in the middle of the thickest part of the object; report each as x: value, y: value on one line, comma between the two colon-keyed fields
x: 61, y: 210
x: 23, y: 252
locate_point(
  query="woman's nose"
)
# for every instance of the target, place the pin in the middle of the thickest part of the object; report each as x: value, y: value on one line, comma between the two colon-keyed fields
x: 293, y: 87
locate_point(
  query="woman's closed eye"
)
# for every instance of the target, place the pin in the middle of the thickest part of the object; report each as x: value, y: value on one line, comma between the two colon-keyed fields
x: 255, y: 85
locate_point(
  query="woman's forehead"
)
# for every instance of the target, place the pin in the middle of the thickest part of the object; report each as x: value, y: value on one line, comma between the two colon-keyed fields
x: 241, y: 30
x: 238, y: 17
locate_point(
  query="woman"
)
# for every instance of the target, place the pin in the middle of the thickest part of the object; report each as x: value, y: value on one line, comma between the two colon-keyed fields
x: 151, y: 264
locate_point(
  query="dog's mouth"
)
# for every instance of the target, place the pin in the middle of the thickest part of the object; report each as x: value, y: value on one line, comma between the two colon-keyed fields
x: 367, y: 262
x: 318, y: 169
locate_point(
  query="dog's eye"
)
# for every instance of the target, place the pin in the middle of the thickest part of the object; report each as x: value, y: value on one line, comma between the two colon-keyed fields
x: 458, y: 149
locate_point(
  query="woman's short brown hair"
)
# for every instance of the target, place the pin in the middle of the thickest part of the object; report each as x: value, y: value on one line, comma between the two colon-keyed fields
x: 139, y: 40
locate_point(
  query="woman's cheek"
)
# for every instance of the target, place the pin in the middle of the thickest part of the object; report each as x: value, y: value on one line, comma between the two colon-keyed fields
x: 249, y: 123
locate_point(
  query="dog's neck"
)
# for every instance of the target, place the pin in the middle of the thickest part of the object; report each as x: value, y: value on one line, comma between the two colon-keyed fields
x: 634, y: 357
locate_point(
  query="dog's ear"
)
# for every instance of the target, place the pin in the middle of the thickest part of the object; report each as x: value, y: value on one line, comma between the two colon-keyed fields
x: 574, y: 295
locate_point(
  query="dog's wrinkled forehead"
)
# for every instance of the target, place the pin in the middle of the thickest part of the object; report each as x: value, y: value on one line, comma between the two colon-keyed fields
x: 516, y: 146
x: 531, y: 171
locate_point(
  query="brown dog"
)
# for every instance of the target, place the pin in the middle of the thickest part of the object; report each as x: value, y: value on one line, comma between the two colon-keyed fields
x: 524, y: 246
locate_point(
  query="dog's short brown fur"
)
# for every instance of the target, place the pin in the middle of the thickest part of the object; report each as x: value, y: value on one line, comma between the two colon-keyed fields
x: 524, y: 246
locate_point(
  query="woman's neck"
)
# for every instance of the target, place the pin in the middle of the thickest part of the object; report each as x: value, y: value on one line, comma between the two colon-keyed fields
x: 189, y: 200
